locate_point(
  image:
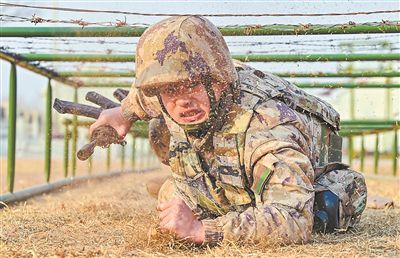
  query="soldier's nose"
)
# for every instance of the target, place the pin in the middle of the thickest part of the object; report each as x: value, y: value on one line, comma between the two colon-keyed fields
x: 183, y: 102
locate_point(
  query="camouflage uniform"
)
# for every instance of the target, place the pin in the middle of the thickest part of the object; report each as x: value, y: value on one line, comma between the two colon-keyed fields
x: 255, y: 178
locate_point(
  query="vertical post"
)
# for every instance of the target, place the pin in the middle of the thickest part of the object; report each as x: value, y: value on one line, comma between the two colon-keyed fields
x: 90, y: 164
x: 352, y: 113
x: 74, y: 135
x: 376, y: 154
x: 122, y: 158
x: 352, y: 105
x: 395, y: 152
x: 12, y: 117
x: 148, y: 154
x: 48, y: 134
x: 90, y: 160
x: 362, y: 154
x: 351, y: 151
x: 108, y: 159
x: 66, y: 149
x: 133, y: 155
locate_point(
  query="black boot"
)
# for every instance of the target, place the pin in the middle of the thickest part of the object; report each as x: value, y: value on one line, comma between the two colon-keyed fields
x: 326, y: 212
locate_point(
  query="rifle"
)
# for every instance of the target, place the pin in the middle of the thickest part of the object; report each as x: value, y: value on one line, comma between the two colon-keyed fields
x: 104, y: 135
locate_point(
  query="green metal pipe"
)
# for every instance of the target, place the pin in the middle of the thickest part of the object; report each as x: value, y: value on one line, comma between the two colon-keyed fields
x: 345, y: 124
x: 244, y: 58
x: 116, y: 84
x: 376, y: 154
x: 12, y: 118
x: 370, y: 122
x: 352, y: 104
x: 9, y: 198
x: 112, y: 84
x: 108, y: 158
x: 340, y: 74
x: 90, y: 164
x: 66, y: 149
x: 122, y: 158
x: 133, y: 155
x: 14, y: 58
x: 348, y: 85
x: 74, y: 135
x: 364, y: 128
x: 132, y: 74
x: 365, y: 132
x: 351, y: 151
x: 98, y: 74
x: 48, y: 134
x: 245, y: 30
x: 140, y: 128
x: 362, y: 154
x: 395, y: 152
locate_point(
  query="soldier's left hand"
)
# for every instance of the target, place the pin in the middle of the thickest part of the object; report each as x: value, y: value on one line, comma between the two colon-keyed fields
x: 177, y: 218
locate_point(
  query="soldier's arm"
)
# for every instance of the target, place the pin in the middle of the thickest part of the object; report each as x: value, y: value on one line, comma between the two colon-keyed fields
x: 136, y: 104
x: 280, y: 180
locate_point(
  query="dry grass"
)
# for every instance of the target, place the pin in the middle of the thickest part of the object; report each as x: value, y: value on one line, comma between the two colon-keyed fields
x: 116, y: 217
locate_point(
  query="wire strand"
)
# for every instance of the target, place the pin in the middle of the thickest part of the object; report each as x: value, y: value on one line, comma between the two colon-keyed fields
x: 203, y: 14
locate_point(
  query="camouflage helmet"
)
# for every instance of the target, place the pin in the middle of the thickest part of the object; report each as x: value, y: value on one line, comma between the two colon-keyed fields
x: 181, y: 49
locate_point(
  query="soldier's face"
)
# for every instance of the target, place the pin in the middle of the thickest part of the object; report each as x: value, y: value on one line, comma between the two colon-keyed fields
x: 189, y: 105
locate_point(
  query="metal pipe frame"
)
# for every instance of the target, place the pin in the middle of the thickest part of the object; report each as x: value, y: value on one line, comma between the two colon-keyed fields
x: 74, y: 135
x: 12, y: 119
x: 131, y: 74
x: 356, y: 127
x: 245, y: 58
x: 22, y: 195
x: 336, y: 85
x: 245, y: 30
x: 36, y: 68
x: 48, y: 132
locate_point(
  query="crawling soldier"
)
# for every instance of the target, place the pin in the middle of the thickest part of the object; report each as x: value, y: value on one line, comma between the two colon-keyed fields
x: 253, y: 157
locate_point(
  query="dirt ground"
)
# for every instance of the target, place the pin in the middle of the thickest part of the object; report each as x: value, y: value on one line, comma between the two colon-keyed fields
x: 116, y: 217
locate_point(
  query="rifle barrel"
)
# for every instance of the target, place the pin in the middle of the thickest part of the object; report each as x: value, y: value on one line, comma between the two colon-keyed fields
x: 67, y: 107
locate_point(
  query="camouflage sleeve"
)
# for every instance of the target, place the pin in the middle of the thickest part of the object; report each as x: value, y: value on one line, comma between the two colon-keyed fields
x: 136, y: 104
x: 281, y: 177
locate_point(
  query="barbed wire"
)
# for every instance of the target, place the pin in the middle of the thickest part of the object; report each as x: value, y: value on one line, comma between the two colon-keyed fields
x: 69, y: 40
x: 203, y: 14
x: 36, y: 19
x: 34, y: 49
x: 248, y: 29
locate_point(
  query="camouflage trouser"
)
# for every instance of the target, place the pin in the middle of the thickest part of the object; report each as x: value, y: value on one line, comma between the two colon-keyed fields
x: 349, y: 186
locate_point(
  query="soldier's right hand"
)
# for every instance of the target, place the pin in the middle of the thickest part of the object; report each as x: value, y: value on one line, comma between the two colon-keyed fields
x: 114, y: 118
